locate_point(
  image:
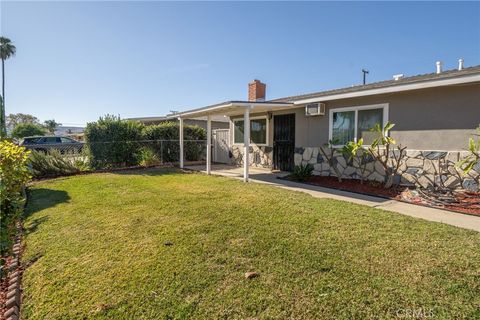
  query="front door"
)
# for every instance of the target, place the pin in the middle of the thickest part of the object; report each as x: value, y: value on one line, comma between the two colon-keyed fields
x: 283, y: 142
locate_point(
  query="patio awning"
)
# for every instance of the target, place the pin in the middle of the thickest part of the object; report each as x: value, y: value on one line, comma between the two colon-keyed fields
x: 233, y: 108
x: 228, y: 109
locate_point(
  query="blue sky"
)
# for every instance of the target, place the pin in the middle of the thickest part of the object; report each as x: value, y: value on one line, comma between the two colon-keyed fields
x: 77, y: 61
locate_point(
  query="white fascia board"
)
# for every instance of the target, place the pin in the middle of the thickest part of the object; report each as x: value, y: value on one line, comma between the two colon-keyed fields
x: 203, y: 112
x: 224, y: 107
x: 397, y: 88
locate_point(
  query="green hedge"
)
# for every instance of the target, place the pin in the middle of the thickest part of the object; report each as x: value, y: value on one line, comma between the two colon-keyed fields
x: 112, y: 142
x: 168, y: 132
x: 14, y: 174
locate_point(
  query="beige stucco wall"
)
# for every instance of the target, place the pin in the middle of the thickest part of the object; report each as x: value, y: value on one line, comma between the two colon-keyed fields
x: 428, y: 119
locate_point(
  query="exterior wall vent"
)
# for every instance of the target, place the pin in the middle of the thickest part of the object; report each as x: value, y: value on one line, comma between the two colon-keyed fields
x: 315, y: 109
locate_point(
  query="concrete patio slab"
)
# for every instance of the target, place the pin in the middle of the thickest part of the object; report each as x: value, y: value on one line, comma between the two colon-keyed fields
x: 260, y: 175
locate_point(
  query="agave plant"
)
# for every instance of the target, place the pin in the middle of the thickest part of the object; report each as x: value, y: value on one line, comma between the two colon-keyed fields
x: 302, y: 172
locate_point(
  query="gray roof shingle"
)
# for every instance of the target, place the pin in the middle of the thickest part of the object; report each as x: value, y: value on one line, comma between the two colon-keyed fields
x: 383, y: 84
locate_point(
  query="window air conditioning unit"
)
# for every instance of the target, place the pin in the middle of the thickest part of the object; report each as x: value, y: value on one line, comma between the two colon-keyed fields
x: 315, y: 109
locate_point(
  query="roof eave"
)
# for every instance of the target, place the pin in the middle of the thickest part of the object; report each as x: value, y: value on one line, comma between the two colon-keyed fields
x: 392, y: 89
x: 231, y: 106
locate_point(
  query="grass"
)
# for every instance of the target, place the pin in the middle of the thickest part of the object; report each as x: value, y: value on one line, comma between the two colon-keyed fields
x: 96, y: 249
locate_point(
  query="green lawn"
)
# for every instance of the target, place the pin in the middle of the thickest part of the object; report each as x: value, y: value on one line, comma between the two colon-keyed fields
x: 96, y: 249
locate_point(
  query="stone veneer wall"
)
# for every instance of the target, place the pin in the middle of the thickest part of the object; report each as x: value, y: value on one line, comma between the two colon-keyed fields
x: 419, y: 168
x: 260, y: 156
x: 424, y: 169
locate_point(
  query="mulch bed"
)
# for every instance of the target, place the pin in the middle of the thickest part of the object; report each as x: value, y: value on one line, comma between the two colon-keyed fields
x: 3, y: 290
x: 461, y: 201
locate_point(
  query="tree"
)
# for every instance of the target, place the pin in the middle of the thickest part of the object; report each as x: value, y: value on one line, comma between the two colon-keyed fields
x: 51, y: 125
x: 15, y: 119
x: 384, y: 150
x: 7, y: 50
x: 28, y: 129
x: 471, y: 163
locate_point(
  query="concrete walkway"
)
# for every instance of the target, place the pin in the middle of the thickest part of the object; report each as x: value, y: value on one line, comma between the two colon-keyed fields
x: 271, y: 178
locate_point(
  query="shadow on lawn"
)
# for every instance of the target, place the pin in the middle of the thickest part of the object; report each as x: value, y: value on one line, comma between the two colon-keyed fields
x: 40, y: 199
x: 156, y: 171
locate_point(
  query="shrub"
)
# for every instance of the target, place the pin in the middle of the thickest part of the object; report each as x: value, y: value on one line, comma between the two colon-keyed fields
x: 167, y: 145
x: 27, y: 129
x: 302, y: 172
x: 53, y: 163
x: 472, y: 160
x: 112, y: 142
x: 383, y: 149
x: 14, y: 174
x: 328, y: 151
x: 357, y: 157
x: 148, y: 157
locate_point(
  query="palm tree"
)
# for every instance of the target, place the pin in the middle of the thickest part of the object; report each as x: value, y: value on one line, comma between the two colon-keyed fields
x: 7, y: 50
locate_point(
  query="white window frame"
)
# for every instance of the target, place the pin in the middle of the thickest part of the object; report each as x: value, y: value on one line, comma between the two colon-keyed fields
x: 384, y: 106
x: 251, y: 142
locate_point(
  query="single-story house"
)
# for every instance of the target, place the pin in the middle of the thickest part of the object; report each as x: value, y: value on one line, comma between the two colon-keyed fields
x: 434, y: 115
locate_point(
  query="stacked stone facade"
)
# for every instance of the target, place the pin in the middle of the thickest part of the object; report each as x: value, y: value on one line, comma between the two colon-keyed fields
x: 425, y: 169
x: 260, y: 156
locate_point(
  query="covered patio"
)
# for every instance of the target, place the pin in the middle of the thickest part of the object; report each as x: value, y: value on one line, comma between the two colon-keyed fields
x: 228, y: 109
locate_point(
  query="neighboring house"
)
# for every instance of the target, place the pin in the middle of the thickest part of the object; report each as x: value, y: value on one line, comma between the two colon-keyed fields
x: 76, y: 133
x: 434, y: 115
x: 219, y: 122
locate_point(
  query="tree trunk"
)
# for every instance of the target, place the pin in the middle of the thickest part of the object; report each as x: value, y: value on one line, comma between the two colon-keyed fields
x: 388, y: 181
x: 3, y: 81
x: 3, y: 129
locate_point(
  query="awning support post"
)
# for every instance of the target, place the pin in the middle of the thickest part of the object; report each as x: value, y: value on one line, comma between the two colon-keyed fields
x: 180, y: 120
x: 209, y: 144
x: 246, y: 143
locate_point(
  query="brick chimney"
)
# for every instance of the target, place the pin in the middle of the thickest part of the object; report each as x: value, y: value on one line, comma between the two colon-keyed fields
x: 256, y: 90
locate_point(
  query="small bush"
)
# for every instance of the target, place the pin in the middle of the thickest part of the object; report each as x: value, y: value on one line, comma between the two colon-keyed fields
x: 302, y: 172
x: 385, y: 151
x: 148, y: 157
x: 53, y: 163
x: 472, y: 161
x: 14, y: 174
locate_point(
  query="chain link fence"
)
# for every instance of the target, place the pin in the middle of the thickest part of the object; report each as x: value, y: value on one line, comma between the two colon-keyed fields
x: 58, y: 159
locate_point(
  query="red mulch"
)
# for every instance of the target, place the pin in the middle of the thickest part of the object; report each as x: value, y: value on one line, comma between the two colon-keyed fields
x: 354, y: 185
x: 4, y: 287
x: 459, y: 201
